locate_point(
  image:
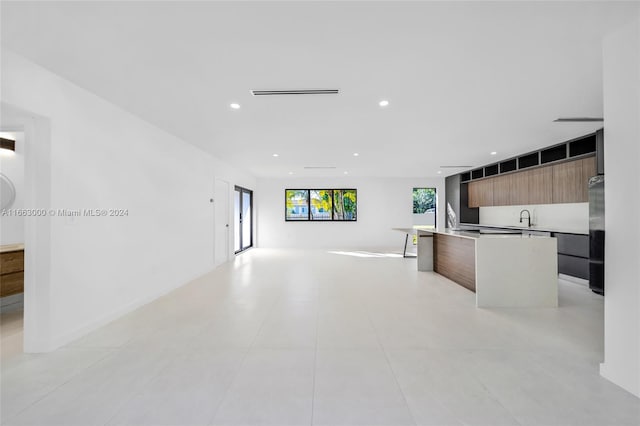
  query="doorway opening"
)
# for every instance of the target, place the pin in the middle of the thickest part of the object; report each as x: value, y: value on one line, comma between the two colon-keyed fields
x: 243, y: 219
x: 12, y: 239
x: 221, y: 221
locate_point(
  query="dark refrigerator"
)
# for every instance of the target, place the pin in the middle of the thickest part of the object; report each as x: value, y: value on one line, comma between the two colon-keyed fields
x: 596, y: 234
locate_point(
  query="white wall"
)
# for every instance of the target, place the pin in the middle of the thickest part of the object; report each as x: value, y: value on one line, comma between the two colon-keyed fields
x: 382, y: 204
x: 98, y: 156
x: 570, y: 217
x: 12, y: 166
x: 622, y: 204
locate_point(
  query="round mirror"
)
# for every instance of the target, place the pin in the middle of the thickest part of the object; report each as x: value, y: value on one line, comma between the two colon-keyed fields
x: 7, y: 192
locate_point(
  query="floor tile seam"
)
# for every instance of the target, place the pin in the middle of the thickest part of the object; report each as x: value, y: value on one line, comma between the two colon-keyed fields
x: 496, y: 399
x: 242, y: 363
x: 541, y: 370
x: 393, y: 373
x: 315, y: 364
x: 140, y: 391
x: 55, y: 388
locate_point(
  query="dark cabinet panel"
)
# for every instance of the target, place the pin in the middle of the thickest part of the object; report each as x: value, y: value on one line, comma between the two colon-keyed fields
x: 457, y: 203
x: 574, y: 266
x: 573, y: 255
x: 573, y: 244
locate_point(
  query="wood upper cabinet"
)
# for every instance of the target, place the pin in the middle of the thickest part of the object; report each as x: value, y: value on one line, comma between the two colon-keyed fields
x: 567, y: 182
x: 589, y: 169
x: 502, y: 190
x: 481, y: 193
x: 511, y: 189
x: 540, y: 185
x: 519, y: 189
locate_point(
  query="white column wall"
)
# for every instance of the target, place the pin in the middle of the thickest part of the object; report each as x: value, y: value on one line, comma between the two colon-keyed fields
x: 622, y: 206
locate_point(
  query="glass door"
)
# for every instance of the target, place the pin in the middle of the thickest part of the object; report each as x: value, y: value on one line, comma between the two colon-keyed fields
x: 243, y: 219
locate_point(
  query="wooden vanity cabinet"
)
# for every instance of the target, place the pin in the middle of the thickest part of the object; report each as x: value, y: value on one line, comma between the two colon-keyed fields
x: 11, y: 273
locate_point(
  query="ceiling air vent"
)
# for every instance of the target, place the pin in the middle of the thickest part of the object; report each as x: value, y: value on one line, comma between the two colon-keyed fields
x: 577, y: 119
x: 319, y: 167
x: 295, y: 92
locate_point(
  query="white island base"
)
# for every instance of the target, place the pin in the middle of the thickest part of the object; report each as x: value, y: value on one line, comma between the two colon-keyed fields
x: 507, y: 271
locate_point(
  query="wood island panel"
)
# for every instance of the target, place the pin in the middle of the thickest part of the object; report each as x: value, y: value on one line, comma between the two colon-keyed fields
x: 455, y: 258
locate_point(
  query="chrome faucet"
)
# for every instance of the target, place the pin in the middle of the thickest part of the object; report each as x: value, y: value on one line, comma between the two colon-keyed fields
x: 528, y: 217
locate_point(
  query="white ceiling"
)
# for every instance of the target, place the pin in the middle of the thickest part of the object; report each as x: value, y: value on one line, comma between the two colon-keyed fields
x: 463, y: 79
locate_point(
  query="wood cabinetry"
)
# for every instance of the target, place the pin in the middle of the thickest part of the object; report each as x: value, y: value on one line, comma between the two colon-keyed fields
x: 560, y: 183
x: 540, y: 185
x: 455, y: 258
x: 11, y: 272
x: 481, y: 193
x: 589, y: 169
x: 519, y: 189
x: 502, y: 190
x: 567, y: 179
x: 511, y: 189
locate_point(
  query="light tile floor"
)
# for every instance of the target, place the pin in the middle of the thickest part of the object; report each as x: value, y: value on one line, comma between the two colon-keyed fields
x: 11, y: 336
x: 287, y: 337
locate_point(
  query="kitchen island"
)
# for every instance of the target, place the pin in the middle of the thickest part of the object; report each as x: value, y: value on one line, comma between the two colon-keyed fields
x: 504, y: 270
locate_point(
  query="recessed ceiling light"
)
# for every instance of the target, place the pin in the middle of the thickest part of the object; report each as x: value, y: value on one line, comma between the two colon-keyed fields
x: 355, y: 154
x: 383, y: 103
x: 290, y: 173
x: 493, y: 152
x: 275, y: 155
x: 439, y: 172
x: 234, y: 106
x: 346, y: 173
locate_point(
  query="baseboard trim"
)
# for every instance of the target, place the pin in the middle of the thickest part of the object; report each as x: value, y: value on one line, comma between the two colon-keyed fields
x: 574, y: 280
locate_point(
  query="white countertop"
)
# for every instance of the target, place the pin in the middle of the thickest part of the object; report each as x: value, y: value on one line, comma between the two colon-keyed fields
x: 533, y: 228
x: 476, y: 235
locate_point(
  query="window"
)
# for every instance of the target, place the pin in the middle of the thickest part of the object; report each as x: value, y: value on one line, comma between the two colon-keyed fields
x: 344, y: 204
x: 320, y: 205
x: 297, y: 201
x: 424, y: 206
